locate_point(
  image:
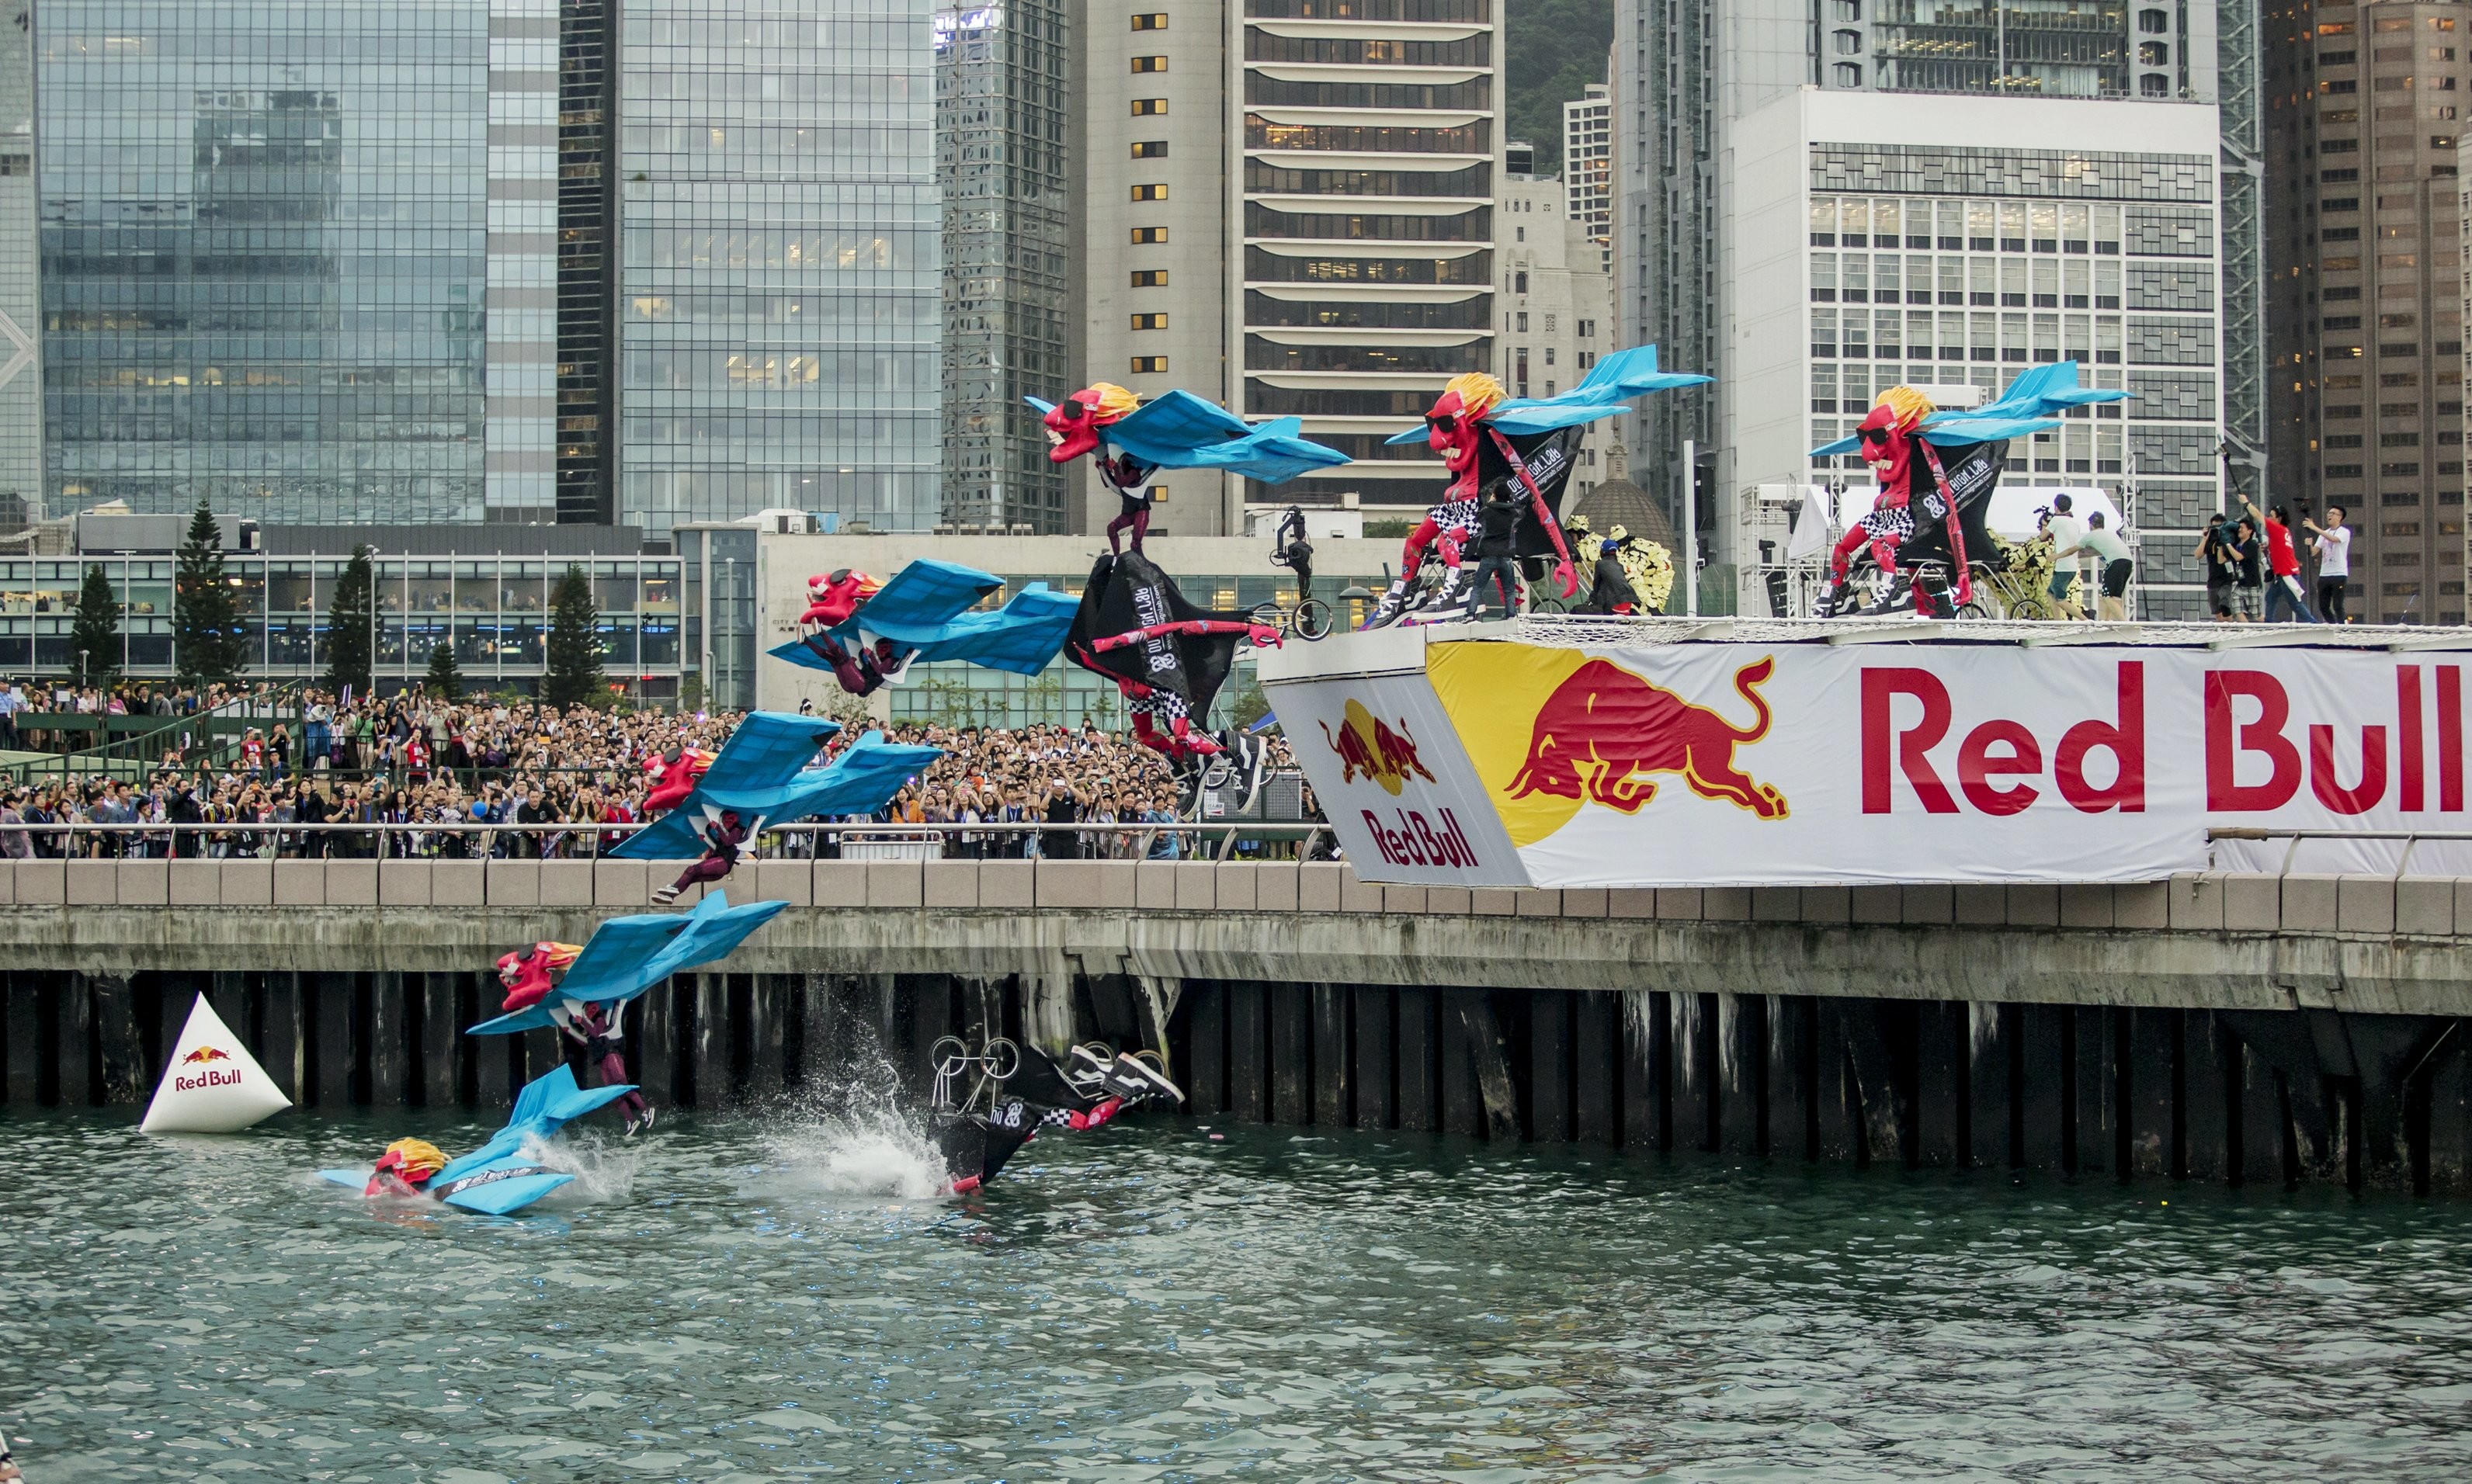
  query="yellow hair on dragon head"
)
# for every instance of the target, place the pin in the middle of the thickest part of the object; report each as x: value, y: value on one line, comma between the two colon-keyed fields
x: 1909, y: 406
x: 1479, y: 392
x: 417, y: 1158
x: 1113, y: 401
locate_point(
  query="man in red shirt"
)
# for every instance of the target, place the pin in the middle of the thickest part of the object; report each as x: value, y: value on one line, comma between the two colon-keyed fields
x: 2284, y: 585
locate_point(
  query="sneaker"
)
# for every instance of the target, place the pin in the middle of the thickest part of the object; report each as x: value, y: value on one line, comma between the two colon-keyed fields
x: 650, y: 1114
x: 1256, y: 754
x: 1148, y: 1078
x: 632, y: 1125
x: 1891, y: 597
x: 1394, y: 599
x: 1449, y: 593
x: 664, y: 896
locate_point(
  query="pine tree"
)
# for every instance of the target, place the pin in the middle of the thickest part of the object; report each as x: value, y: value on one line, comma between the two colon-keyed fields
x: 350, y: 620
x: 206, y: 633
x: 95, y: 636
x: 445, y: 681
x: 574, y: 670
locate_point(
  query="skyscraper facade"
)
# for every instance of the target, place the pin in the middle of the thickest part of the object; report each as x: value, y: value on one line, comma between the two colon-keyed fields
x: 2367, y: 344
x: 21, y: 386
x: 1680, y: 101
x: 1291, y: 205
x: 264, y: 251
x: 1003, y: 160
x: 778, y: 279
x: 1588, y: 167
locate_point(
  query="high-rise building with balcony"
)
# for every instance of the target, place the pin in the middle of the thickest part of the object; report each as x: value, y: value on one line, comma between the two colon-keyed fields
x: 1291, y: 210
x: 2367, y: 350
x: 1002, y: 160
x: 1588, y: 167
x: 1681, y: 102
x: 21, y: 386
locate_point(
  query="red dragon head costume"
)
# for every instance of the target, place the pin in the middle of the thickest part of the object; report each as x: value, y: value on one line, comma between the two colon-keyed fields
x: 528, y: 972
x: 1073, y: 425
x: 1451, y: 428
x: 1888, y: 437
x: 831, y: 598
x: 674, y: 776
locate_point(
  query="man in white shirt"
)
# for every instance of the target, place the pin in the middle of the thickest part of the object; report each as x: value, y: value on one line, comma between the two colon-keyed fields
x: 12, y: 700
x: 2334, y: 548
x: 2064, y: 529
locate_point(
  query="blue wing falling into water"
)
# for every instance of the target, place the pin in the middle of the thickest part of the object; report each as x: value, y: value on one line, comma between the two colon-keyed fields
x: 496, y: 1178
x: 628, y: 956
x: 860, y: 781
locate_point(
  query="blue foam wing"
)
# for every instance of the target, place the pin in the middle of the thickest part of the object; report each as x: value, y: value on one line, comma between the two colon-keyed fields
x: 496, y: 1178
x: 926, y: 609
x: 860, y: 781
x: 628, y: 956
x: 766, y: 754
x: 1181, y: 431
x: 2032, y: 404
x: 1615, y: 380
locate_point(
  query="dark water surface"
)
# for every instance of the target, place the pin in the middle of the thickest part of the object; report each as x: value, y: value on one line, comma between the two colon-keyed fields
x: 741, y: 1300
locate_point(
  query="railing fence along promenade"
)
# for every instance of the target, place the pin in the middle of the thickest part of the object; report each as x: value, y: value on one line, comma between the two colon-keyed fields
x: 2254, y: 1028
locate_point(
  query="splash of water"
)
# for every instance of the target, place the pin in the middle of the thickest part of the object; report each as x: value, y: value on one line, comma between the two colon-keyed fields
x: 851, y: 1137
x: 603, y: 1171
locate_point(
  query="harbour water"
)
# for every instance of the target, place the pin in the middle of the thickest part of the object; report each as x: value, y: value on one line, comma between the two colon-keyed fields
x: 778, y: 1298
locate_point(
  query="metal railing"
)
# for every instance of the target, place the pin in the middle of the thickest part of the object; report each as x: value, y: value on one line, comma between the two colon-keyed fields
x: 215, y: 732
x: 821, y: 839
x: 2411, y: 840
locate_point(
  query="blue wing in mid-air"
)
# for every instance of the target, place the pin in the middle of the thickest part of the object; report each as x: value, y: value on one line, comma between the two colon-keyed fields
x: 1181, y: 431
x: 926, y: 611
x: 1615, y: 380
x: 2032, y: 404
x: 764, y: 754
x: 860, y: 781
x: 497, y: 1178
x: 628, y: 956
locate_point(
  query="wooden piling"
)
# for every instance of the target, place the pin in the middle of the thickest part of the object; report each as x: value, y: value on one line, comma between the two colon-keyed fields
x: 2208, y: 1059
x: 1290, y: 1054
x: 1373, y: 1081
x: 389, y: 1060
x: 1741, y: 1038
x: 1943, y: 1112
x: 710, y: 1047
x: 2148, y: 1077
x: 1249, y: 1089
x: 1791, y: 1073
x: 2041, y: 1064
x: 1549, y: 1065
x: 1596, y: 1062
x: 2099, y: 1138
x: 25, y: 1050
x: 768, y: 1009
x: 1692, y: 1035
x: 1205, y: 1017
x: 1417, y: 1030
x: 1990, y: 1044
x: 1333, y: 1065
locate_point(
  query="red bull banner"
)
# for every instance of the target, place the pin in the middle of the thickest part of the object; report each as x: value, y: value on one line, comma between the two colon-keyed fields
x: 1804, y: 764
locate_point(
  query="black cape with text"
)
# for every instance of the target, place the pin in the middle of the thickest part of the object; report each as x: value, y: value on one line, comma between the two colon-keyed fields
x: 1550, y: 456
x: 1129, y: 593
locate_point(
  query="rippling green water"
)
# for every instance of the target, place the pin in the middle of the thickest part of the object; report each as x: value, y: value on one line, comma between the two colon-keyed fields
x: 749, y: 1301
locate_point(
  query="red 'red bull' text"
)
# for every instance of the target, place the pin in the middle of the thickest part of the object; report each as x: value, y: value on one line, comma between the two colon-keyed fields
x: 1416, y: 841
x: 2392, y: 760
x: 1994, y: 760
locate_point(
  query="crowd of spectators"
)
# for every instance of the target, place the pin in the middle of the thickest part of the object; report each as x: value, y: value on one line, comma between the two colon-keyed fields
x: 571, y: 778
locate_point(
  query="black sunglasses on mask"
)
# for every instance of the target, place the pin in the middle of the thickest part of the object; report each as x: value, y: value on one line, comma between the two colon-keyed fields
x: 1443, y: 422
x: 1876, y: 434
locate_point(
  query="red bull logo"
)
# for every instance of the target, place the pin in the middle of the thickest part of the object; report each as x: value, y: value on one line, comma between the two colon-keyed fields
x: 1370, y: 749
x: 1602, y: 728
x: 204, y: 1055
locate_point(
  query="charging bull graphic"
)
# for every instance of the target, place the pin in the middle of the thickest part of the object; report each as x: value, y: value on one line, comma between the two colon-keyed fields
x: 1604, y: 726
x: 204, y: 1055
x: 1368, y: 748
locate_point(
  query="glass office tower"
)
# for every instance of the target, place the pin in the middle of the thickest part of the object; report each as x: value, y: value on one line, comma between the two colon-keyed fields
x: 778, y: 263
x: 264, y: 255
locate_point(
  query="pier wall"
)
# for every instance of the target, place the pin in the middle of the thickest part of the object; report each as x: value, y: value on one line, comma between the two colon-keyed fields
x: 2239, y: 1029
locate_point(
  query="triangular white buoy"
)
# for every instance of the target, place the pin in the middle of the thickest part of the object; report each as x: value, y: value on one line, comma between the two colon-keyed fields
x: 213, y: 1085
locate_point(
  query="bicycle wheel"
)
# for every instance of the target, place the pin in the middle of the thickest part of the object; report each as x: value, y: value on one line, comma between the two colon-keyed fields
x: 1548, y: 605
x: 2033, y: 610
x: 1268, y: 615
x: 1312, y: 619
